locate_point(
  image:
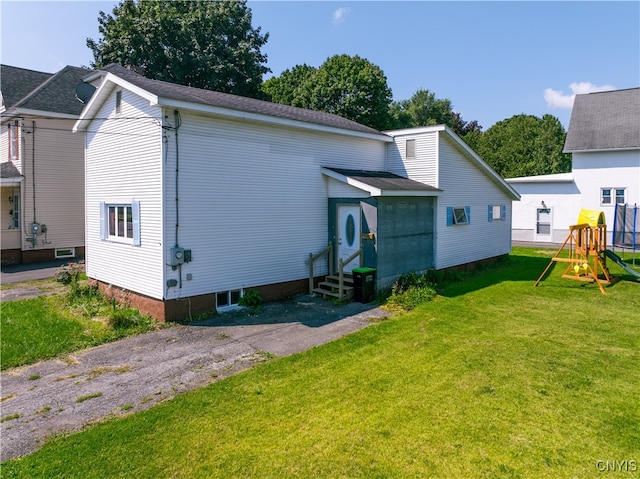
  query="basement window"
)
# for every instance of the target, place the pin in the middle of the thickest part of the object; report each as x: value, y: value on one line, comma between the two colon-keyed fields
x: 228, y: 299
x: 65, y: 253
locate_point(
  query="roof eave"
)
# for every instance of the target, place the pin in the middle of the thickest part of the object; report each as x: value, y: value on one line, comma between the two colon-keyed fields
x: 595, y: 150
x: 372, y: 190
x: 415, y: 193
x: 13, y: 181
x: 102, y: 91
x: 41, y: 114
x: 557, y: 178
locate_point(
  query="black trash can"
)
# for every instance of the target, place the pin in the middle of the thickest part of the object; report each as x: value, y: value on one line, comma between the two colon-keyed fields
x: 364, y: 284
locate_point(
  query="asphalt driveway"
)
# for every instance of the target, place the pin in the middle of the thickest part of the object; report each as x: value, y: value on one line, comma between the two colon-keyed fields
x: 136, y: 373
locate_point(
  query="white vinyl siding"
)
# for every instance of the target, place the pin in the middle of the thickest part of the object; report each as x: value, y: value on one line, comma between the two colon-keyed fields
x: 423, y: 166
x: 465, y: 184
x: 253, y: 200
x: 123, y: 166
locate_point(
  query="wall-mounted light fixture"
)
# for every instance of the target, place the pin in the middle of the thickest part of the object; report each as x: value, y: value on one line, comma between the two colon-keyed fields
x: 10, y: 200
x: 543, y: 205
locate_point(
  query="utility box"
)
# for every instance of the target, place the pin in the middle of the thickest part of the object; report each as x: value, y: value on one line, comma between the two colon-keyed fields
x: 364, y: 284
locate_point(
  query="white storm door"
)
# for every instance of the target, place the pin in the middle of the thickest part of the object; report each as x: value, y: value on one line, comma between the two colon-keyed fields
x: 543, y: 224
x: 348, y: 234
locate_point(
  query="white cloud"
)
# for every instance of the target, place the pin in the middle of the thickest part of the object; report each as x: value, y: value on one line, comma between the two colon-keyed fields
x: 557, y: 98
x: 339, y: 15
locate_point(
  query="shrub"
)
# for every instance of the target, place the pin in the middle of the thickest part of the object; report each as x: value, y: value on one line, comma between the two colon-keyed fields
x: 123, y: 317
x: 251, y: 300
x: 411, y: 290
x: 70, y: 275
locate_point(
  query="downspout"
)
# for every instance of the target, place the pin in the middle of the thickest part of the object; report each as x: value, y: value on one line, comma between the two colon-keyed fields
x: 31, y: 235
x: 176, y: 116
x: 178, y: 122
x: 33, y: 167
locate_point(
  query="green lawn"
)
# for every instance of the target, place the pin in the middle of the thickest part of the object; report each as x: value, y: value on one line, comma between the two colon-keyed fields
x: 51, y: 326
x: 492, y: 379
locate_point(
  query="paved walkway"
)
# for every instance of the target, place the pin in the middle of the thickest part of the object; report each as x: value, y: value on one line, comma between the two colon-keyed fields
x: 17, y: 273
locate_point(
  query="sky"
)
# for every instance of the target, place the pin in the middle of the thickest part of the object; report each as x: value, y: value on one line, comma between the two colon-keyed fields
x: 492, y: 60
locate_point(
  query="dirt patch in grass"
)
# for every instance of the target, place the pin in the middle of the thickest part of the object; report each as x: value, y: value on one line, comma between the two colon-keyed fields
x: 13, y: 292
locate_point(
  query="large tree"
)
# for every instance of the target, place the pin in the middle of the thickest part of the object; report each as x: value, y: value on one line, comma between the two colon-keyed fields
x: 348, y: 86
x: 424, y: 109
x: 288, y: 88
x: 525, y: 145
x: 204, y: 44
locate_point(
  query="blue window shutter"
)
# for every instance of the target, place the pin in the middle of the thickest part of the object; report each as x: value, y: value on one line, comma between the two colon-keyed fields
x: 103, y: 221
x: 449, y: 215
x: 503, y: 212
x: 467, y: 210
x: 490, y: 212
x: 135, y: 215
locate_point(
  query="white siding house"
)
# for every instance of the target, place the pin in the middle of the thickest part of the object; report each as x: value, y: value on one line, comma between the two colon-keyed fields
x: 604, y: 140
x: 194, y: 197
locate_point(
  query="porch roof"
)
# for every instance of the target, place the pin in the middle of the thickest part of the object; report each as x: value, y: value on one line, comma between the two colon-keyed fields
x: 381, y: 183
x: 9, y: 174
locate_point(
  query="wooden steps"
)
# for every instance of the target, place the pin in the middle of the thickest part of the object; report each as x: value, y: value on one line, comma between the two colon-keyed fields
x: 331, y: 287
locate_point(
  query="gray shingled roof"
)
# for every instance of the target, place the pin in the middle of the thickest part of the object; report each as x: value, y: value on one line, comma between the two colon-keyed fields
x: 384, y: 180
x: 16, y: 83
x: 8, y: 170
x: 605, y: 121
x: 55, y: 94
x: 224, y: 100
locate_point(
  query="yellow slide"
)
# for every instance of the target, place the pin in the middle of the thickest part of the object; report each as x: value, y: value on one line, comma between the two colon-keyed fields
x: 591, y: 217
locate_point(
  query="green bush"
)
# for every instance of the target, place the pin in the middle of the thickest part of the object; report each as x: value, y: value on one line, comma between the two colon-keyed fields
x: 70, y: 275
x: 251, y: 300
x: 127, y: 318
x: 411, y: 290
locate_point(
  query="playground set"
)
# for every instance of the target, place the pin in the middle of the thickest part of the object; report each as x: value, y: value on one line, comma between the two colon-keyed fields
x: 587, y: 251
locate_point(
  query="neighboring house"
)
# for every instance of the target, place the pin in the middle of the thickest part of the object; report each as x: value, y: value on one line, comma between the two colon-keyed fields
x: 604, y: 140
x: 195, y: 197
x: 42, y: 198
